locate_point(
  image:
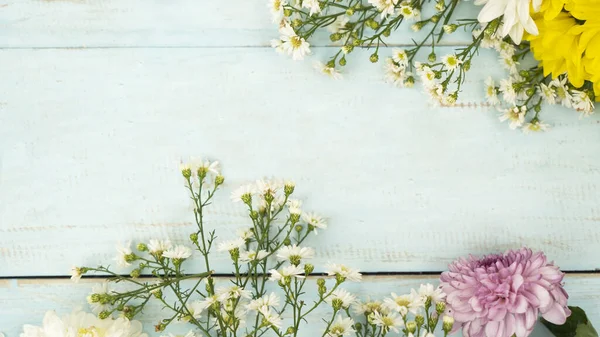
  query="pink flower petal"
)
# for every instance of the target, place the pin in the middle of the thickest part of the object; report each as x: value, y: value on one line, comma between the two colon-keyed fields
x: 491, y: 328
x: 556, y: 314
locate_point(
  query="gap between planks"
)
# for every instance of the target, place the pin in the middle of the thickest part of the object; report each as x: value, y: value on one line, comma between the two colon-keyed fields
x: 389, y: 45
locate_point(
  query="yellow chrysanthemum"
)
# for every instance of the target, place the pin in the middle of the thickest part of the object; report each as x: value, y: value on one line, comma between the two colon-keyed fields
x: 584, y: 9
x: 555, y: 47
x: 551, y: 8
x: 589, y: 47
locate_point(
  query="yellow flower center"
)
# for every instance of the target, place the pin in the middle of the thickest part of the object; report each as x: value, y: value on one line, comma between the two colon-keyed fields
x: 276, y: 5
x: 296, y: 42
x: 403, y: 302
x: 91, y: 331
x: 452, y: 61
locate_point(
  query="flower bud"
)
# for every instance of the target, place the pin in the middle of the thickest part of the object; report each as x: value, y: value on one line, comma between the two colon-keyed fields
x: 186, y: 172
x: 321, y: 282
x: 431, y: 57
x: 411, y: 326
x: 335, y: 37
x: 447, y: 323
x: 440, y: 307
x: 524, y: 73
x: 295, y: 260
x: 135, y: 273
x: 287, y: 280
x: 339, y: 278
x: 254, y: 215
x: 104, y: 314
x: 290, y: 330
x: 537, y: 108
x: 142, y: 247
x: 357, y: 42
x: 435, y: 18
x: 420, y: 320
x: 294, y: 218
x: 440, y: 5
x: 331, y: 64
x: 202, y: 172
x: 387, y: 32
x: 159, y: 327
x: 288, y: 188
x: 219, y: 180
x: 350, y: 11
x: 374, y: 58
x: 308, y: 268
x: 466, y: 65
x: 157, y: 293
x: 322, y: 290
x: 358, y: 326
x: 342, y: 61
x: 194, y: 238
x: 296, y: 23
x: 298, y: 228
x: 234, y: 254
x: 530, y: 92
x: 131, y: 257
x: 269, y: 197
x: 337, y: 303
x: 449, y: 29
x: 410, y: 81
x: 287, y: 12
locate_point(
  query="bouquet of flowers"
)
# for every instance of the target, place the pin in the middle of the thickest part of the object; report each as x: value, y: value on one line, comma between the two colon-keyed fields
x: 550, y: 48
x: 273, y: 289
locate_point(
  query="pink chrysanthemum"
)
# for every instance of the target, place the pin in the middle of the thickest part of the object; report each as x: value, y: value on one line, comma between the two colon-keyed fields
x: 502, y: 294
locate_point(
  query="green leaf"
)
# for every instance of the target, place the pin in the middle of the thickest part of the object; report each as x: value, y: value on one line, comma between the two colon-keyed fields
x: 577, y: 325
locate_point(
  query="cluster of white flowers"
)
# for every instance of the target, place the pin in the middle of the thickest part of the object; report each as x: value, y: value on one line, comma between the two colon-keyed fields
x: 391, y: 8
x: 515, y: 89
x: 84, y: 325
x: 433, y: 86
x: 290, y: 43
x: 396, y: 71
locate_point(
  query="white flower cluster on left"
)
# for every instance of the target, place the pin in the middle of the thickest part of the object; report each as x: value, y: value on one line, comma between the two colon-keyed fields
x: 83, y: 324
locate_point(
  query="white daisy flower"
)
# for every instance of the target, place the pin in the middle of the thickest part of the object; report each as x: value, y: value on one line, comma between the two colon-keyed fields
x: 342, y: 295
x: 429, y: 291
x: 210, y: 167
x: 490, y: 91
x: 292, y: 271
x: 277, y: 44
x: 292, y: 44
x: 339, y: 24
x: 348, y: 273
x: 245, y: 233
x: 159, y: 246
x: 270, y: 317
x: 230, y: 245
x: 451, y: 61
x: 294, y: 206
x: 270, y: 300
x: 243, y: 192
x: 123, y: 254
x: 387, y: 322
x: 76, y: 273
x: 252, y: 255
x: 509, y: 64
x: 562, y: 91
x: 386, y: 7
x: 410, y: 13
x: 399, y: 56
x: 327, y: 70
x: 188, y: 334
x: 515, y: 16
x: 234, y: 292
x: 404, y: 303
x: 548, y: 94
x: 178, y: 252
x: 295, y: 253
x: 394, y: 74
x: 312, y: 5
x: 211, y: 300
x: 271, y: 186
x: 195, y: 309
x: 582, y: 102
x: 515, y: 115
x: 314, y: 220
x: 276, y: 7
x: 535, y: 126
x: 94, y: 301
x: 341, y: 327
x: 508, y: 91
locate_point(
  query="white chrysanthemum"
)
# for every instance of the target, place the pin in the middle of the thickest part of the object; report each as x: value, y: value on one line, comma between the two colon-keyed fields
x: 404, y: 303
x: 348, y: 273
x: 508, y: 91
x: 451, y: 61
x: 509, y: 64
x: 548, y: 94
x: 83, y: 324
x: 210, y: 167
x: 252, y: 255
x: 342, y: 295
x: 97, y: 291
x: 535, y: 126
x: 339, y: 24
x: 434, y: 293
x: 76, y: 273
x: 234, y: 292
x: 367, y: 307
x: 123, y: 251
x: 386, y: 7
x: 427, y: 76
x: 291, y: 271
x: 490, y: 91
x: 271, y: 317
x: 159, y: 246
x: 270, y: 300
x: 271, y: 186
x: 387, y: 322
x: 582, y: 102
x: 312, y: 5
x: 515, y: 16
x: 394, y: 73
x: 314, y: 220
x: 277, y: 44
x: 210, y: 300
x: 245, y: 233
x: 230, y: 245
x: 341, y: 327
x: 562, y: 91
x: 188, y: 334
x: 327, y: 70
x: 178, y: 252
x: 399, y: 56
x: 294, y: 206
x: 242, y: 192
x: 194, y: 309
x: 295, y: 253
x: 410, y: 13
x: 292, y: 44
x: 276, y: 7
x: 515, y: 115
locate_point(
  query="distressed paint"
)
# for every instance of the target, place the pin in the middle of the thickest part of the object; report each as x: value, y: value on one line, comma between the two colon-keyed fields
x: 92, y: 140
x: 26, y: 301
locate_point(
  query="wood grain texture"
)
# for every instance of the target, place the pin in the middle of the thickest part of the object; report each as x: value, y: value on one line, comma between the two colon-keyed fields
x: 154, y: 23
x: 26, y: 301
x: 92, y: 139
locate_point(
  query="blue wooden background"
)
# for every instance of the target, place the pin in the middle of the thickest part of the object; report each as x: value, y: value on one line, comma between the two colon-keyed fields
x: 101, y: 99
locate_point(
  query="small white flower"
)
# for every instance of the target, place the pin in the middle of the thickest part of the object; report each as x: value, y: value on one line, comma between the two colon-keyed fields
x: 409, y: 12
x: 291, y: 271
x: 271, y: 186
x: 294, y: 252
x: 451, y: 61
x: 315, y: 220
x: 82, y: 324
x: 415, y: 27
x: 341, y: 327
x: 399, y: 56
x: 195, y: 309
x: 294, y: 206
x: 387, y: 322
x: 535, y: 126
x: 348, y: 273
x: 327, y: 70
x: 210, y: 167
x: 361, y: 308
x: 508, y: 91
x: 548, y: 94
x: 429, y: 291
x: 404, y: 303
x: 96, y: 305
x: 230, y: 245
x: 123, y: 254
x: 234, y: 292
x: 188, y: 334
x: 490, y: 91
x: 562, y: 91
x: 515, y: 115
x: 76, y: 273
x: 252, y: 255
x: 178, y: 252
x: 270, y: 317
x: 449, y: 29
x: 582, y: 102
x: 245, y: 233
x: 509, y: 64
x: 386, y: 7
x: 278, y: 45
x: 270, y: 300
x: 276, y: 7
x: 342, y: 295
x: 339, y: 24
x: 242, y: 192
x: 159, y: 246
x: 312, y: 5
x: 294, y: 45
x: 515, y: 16
x: 394, y: 74
x: 210, y: 300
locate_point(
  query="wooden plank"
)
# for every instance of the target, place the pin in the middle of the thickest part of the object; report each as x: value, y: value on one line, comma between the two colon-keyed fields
x: 26, y: 301
x: 92, y: 140
x: 152, y: 23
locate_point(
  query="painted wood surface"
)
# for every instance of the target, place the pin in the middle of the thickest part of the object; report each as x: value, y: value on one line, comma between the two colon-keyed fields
x: 92, y: 140
x: 26, y: 301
